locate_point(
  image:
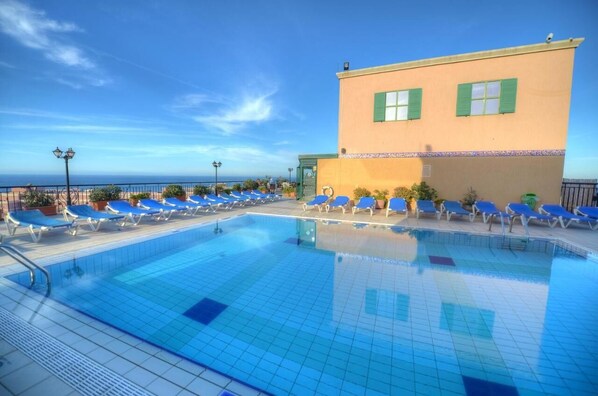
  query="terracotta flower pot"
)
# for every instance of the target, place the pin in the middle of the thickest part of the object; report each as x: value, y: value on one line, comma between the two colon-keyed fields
x: 47, y: 210
x: 99, y: 205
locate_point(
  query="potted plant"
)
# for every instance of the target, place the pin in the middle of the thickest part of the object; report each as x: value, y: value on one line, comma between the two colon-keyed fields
x: 201, y: 190
x: 39, y: 199
x: 134, y: 198
x: 469, y: 199
x: 380, y: 197
x: 100, y: 196
x: 424, y: 191
x: 176, y: 191
x: 288, y: 190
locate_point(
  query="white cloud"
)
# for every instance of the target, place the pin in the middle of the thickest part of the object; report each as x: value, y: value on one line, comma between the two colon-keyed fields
x: 281, y: 143
x: 7, y: 65
x: 33, y: 29
x: 228, y: 115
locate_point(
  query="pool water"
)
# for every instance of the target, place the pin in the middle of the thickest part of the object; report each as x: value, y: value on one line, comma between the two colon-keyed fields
x: 297, y: 306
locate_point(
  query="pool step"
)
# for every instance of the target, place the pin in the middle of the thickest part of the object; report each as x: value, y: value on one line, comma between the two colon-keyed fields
x: 514, y: 244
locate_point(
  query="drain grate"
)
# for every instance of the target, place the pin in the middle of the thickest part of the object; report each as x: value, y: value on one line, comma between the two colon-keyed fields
x: 83, y: 374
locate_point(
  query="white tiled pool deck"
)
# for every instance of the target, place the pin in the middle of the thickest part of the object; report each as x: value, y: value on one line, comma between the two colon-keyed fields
x: 49, y: 349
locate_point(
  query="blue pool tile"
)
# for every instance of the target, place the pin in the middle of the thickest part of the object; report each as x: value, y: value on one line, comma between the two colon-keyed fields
x: 475, y: 386
x: 205, y: 311
x: 441, y: 260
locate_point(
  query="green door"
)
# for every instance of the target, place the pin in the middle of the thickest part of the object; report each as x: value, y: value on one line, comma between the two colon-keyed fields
x: 309, y: 183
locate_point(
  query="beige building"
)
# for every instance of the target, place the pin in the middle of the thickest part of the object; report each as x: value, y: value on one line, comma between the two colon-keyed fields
x: 495, y: 121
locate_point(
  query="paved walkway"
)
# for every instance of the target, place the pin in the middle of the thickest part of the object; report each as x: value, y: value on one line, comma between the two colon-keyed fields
x: 47, y: 348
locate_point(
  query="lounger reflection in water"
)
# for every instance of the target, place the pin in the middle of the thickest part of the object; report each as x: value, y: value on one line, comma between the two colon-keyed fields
x: 565, y: 217
x: 398, y: 205
x: 365, y: 203
x: 341, y: 201
x: 36, y: 223
x: 93, y: 218
x: 318, y: 202
x: 131, y: 213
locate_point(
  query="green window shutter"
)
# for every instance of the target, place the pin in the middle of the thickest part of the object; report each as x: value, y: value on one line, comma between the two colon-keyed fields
x: 464, y: 100
x: 414, y: 110
x: 379, y: 106
x: 508, y: 95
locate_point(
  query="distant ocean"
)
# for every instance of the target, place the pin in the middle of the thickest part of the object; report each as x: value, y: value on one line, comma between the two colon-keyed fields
x: 43, y: 180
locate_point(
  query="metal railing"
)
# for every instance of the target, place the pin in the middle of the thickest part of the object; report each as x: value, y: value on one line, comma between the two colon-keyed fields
x: 27, y: 263
x: 579, y: 193
x: 11, y: 196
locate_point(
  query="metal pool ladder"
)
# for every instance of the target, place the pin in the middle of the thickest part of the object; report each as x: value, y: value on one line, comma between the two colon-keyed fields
x: 29, y: 264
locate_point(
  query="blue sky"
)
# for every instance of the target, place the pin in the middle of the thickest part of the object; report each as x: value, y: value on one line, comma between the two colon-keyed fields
x: 166, y: 87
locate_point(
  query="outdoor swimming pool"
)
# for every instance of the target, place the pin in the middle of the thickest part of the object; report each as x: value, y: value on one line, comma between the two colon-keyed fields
x: 296, y: 306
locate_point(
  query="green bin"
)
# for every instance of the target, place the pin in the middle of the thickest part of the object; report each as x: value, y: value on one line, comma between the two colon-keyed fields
x: 530, y: 199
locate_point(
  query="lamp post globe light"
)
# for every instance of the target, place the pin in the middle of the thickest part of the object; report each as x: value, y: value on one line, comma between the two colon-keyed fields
x: 216, y: 165
x: 68, y: 155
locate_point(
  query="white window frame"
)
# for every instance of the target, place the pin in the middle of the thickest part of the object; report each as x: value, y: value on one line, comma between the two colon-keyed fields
x: 396, y: 106
x: 485, y: 98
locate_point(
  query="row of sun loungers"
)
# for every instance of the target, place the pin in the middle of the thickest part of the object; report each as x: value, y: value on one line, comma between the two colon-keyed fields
x: 122, y: 212
x: 551, y: 214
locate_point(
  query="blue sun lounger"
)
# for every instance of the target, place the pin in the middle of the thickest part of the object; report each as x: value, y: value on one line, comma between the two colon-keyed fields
x: 588, y: 211
x: 243, y: 198
x: 36, y: 223
x: 203, y: 202
x: 227, y: 204
x: 268, y: 196
x: 341, y: 201
x: 424, y: 206
x: 131, y: 213
x: 398, y: 205
x: 489, y: 211
x: 454, y: 208
x: 191, y: 207
x: 565, y: 217
x: 365, y: 203
x: 318, y: 202
x: 232, y: 200
x: 525, y: 214
x: 93, y: 218
x: 165, y: 210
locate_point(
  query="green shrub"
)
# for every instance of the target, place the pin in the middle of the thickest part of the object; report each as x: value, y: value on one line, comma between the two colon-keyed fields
x: 37, y: 198
x: 108, y: 193
x: 380, y: 194
x: 250, y: 184
x: 141, y: 195
x: 423, y: 191
x: 403, y: 192
x: 470, y: 197
x: 173, y: 191
x: 201, y: 190
x: 237, y: 187
x: 361, y: 192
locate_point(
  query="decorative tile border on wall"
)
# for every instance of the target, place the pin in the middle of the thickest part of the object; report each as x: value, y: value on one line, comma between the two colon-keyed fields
x: 447, y: 154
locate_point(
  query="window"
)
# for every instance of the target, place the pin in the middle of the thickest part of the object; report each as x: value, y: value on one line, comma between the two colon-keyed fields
x: 487, y: 97
x: 397, y: 105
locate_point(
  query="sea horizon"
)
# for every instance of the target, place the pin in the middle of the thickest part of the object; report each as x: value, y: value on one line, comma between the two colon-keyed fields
x: 57, y: 179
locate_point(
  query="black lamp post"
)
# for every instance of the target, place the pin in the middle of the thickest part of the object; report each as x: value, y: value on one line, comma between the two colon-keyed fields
x: 216, y: 165
x: 67, y: 156
x: 290, y: 170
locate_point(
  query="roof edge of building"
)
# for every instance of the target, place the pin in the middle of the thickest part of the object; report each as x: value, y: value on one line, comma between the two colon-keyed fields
x: 520, y: 50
